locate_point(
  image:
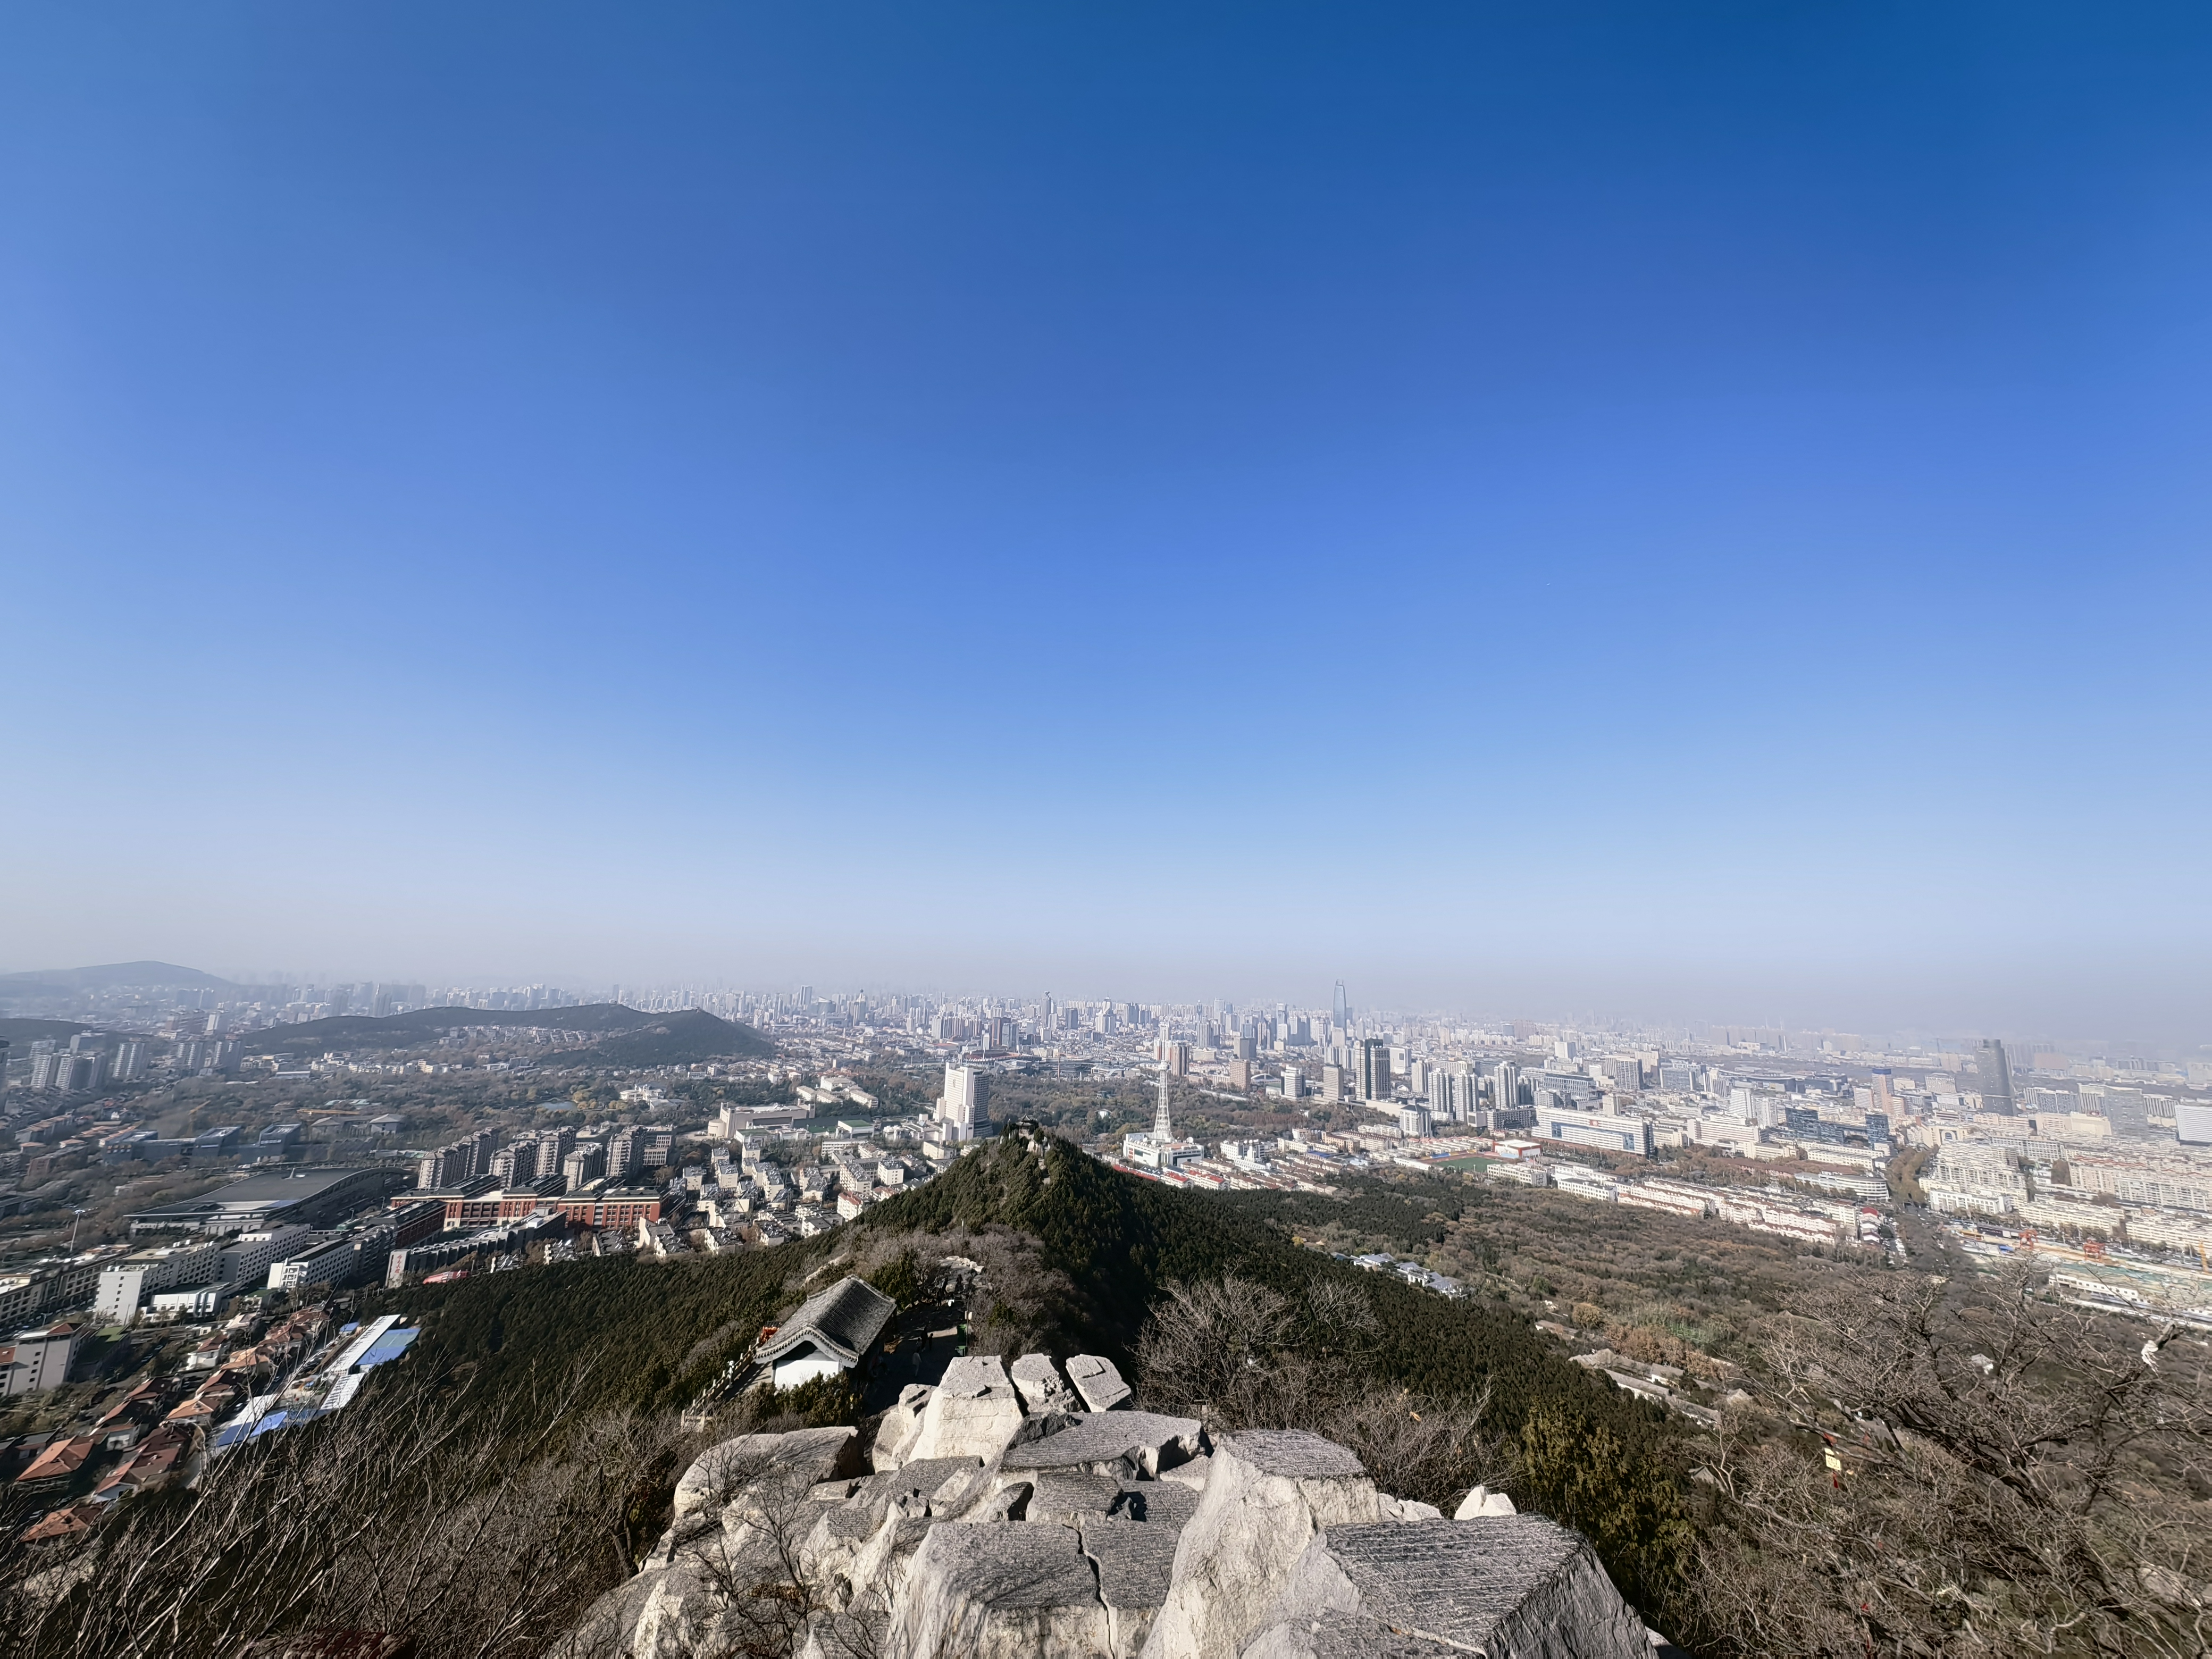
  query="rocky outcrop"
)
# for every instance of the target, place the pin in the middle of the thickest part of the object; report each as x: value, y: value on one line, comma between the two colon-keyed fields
x: 974, y: 1412
x: 738, y: 1464
x: 1038, y: 1382
x: 1097, y: 1381
x: 1061, y: 1533
x: 895, y: 1434
x: 1269, y: 1493
x: 1516, y: 1587
x: 1000, y: 1593
x: 1129, y: 1443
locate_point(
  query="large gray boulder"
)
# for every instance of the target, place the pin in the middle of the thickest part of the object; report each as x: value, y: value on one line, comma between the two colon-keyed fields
x: 804, y: 1457
x: 974, y: 1412
x: 1017, y: 1592
x: 1138, y: 1443
x: 1508, y: 1587
x: 1097, y: 1381
x: 1268, y: 1493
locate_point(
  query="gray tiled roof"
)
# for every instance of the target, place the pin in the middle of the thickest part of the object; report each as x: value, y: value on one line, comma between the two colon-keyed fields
x: 844, y: 1320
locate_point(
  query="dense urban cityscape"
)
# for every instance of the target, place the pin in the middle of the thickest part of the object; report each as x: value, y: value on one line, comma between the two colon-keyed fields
x: 2097, y: 1166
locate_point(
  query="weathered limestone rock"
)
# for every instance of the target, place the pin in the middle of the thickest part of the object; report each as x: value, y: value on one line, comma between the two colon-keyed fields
x: 1000, y: 1593
x: 1338, y: 1636
x: 974, y: 1412
x: 895, y: 1434
x: 1107, y: 1442
x: 1159, y: 1504
x: 1406, y: 1509
x: 1135, y: 1564
x: 1269, y: 1493
x: 1192, y: 1474
x: 1516, y: 1587
x: 1483, y: 1501
x: 913, y: 1487
x: 1038, y: 1380
x: 819, y: 1454
x: 880, y: 1570
x: 1070, y: 1494
x: 1097, y: 1381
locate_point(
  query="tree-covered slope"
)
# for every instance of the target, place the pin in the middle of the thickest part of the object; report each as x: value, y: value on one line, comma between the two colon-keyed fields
x: 1123, y: 1240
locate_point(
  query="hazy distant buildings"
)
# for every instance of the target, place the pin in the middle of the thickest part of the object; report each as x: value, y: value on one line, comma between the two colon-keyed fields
x: 1995, y: 1078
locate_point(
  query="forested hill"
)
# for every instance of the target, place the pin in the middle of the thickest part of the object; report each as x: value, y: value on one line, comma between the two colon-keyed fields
x: 627, y: 1037
x: 1122, y: 1240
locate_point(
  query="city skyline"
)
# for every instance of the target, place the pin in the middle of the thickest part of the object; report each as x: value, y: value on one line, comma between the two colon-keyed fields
x: 1696, y: 517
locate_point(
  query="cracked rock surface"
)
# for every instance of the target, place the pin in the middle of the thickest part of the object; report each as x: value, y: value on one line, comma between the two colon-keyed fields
x: 1058, y: 1534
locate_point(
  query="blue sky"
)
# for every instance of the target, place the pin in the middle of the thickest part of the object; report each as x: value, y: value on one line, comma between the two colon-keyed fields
x: 1696, y: 511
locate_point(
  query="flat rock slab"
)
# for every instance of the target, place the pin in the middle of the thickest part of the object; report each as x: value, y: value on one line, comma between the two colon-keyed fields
x: 722, y: 1471
x: 1069, y: 1495
x: 1510, y: 1587
x: 1097, y: 1381
x: 1020, y: 1592
x: 1144, y: 1440
x: 1136, y: 1562
x: 1159, y: 1504
x: 1292, y: 1453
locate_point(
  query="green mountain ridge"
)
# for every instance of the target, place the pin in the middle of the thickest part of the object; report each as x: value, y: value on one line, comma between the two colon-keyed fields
x: 628, y: 1036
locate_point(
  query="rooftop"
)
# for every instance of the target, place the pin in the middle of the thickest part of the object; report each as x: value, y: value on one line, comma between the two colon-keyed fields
x: 844, y: 1320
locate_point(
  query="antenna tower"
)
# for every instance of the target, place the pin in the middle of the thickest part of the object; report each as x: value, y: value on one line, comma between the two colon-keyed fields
x: 1163, y: 1129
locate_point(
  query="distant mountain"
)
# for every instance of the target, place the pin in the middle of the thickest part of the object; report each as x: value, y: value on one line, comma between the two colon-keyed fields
x: 64, y: 981
x: 24, y: 1032
x: 631, y: 1038
x: 680, y: 1039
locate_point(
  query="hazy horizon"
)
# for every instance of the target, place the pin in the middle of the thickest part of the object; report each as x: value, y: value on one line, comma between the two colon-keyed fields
x: 1699, y: 515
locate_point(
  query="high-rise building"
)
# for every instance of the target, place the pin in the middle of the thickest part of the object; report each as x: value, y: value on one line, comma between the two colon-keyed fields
x: 1340, y: 1010
x: 1995, y: 1078
x: 1374, y: 1069
x: 1505, y: 1086
x: 1176, y: 1056
x: 965, y: 1107
x: 1294, y: 1083
x: 1885, y: 1093
x: 130, y: 1064
x: 1332, y: 1085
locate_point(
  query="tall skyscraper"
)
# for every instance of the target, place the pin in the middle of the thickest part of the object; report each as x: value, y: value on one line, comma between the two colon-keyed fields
x: 1505, y: 1086
x: 1375, y: 1069
x: 1340, y: 1010
x: 966, y: 1103
x: 1995, y: 1078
